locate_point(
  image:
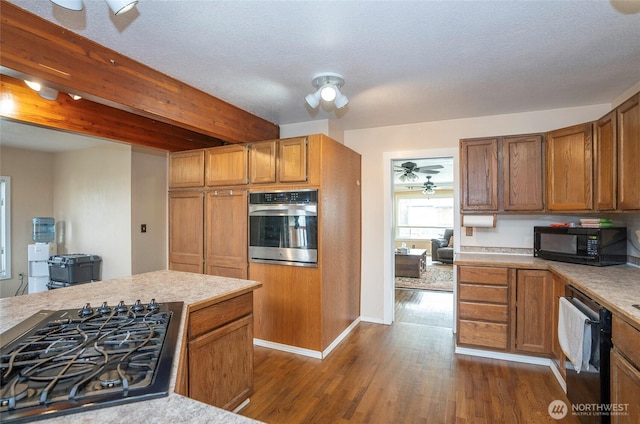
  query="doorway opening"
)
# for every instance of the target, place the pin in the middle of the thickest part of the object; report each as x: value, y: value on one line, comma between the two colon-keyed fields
x: 423, y: 240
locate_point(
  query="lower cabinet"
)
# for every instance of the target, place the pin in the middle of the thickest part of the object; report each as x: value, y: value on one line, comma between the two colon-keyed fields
x: 625, y: 371
x: 186, y: 240
x: 533, y: 304
x: 483, y: 309
x: 505, y: 309
x: 219, y: 369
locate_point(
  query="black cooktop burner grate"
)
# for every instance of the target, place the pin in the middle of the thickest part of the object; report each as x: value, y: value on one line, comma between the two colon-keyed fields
x: 79, y: 360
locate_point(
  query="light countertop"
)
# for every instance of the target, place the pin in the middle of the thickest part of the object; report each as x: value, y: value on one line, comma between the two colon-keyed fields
x: 164, y: 286
x: 616, y: 287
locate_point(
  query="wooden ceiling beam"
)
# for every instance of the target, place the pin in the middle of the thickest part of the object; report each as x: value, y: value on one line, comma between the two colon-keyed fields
x: 97, y: 120
x: 36, y: 48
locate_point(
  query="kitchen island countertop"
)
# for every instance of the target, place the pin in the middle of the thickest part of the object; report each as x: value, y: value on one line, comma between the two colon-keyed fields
x: 616, y: 287
x: 164, y: 286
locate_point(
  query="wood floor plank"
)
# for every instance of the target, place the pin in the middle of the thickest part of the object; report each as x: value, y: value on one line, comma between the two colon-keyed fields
x: 402, y: 373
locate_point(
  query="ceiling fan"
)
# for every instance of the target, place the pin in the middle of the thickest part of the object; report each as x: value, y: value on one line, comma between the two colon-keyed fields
x: 429, y: 186
x: 409, y: 170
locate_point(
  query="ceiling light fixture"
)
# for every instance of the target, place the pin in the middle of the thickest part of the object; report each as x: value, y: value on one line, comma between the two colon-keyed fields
x: 121, y: 6
x: 74, y: 96
x: 44, y: 92
x: 117, y: 6
x: 328, y: 89
x: 69, y: 4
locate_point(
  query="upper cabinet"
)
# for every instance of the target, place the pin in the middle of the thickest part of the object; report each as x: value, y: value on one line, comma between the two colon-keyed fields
x: 502, y: 174
x: 186, y: 169
x: 226, y: 165
x: 479, y: 160
x: 628, y: 116
x: 522, y: 173
x: 278, y: 161
x: 570, y: 168
x: 605, y: 163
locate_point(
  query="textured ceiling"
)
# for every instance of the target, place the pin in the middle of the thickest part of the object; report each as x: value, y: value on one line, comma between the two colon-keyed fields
x: 403, y: 61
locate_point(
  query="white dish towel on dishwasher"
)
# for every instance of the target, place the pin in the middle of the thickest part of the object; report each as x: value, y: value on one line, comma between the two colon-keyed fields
x: 574, y: 334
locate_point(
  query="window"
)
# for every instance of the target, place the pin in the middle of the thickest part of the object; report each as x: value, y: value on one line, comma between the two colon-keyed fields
x: 422, y: 218
x: 5, y: 228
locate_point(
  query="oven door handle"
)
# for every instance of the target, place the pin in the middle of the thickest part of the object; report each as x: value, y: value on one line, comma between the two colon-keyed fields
x: 310, y: 210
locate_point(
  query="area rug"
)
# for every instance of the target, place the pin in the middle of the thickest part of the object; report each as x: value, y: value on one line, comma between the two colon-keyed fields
x: 435, y: 277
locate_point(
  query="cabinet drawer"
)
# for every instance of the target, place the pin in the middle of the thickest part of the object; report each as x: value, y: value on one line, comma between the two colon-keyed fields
x: 484, y: 334
x: 483, y: 275
x: 214, y: 316
x: 483, y: 312
x: 626, y: 339
x: 480, y: 293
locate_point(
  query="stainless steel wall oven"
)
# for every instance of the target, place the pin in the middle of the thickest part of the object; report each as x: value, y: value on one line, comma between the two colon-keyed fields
x: 283, y: 227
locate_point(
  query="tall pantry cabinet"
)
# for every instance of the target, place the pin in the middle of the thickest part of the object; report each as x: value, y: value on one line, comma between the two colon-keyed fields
x: 208, y: 211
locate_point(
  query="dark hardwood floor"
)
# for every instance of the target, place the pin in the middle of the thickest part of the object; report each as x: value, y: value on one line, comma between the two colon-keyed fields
x: 402, y: 373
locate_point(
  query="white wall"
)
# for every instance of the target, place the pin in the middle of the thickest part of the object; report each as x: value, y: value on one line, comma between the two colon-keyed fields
x: 380, y: 146
x: 148, y: 206
x: 92, y: 205
x: 31, y: 175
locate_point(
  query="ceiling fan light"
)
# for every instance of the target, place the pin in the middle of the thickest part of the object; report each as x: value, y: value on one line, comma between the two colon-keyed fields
x: 121, y: 6
x: 69, y: 4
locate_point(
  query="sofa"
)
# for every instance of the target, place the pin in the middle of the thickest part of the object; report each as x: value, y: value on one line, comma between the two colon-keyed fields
x: 442, y: 248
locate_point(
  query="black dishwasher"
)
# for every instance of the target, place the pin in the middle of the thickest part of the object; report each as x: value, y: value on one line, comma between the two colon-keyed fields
x: 589, y: 390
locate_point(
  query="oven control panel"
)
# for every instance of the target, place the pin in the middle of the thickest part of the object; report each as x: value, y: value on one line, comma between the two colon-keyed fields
x: 283, y: 197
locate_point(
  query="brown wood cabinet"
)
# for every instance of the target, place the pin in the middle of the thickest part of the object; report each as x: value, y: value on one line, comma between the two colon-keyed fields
x: 220, y: 352
x: 502, y: 174
x: 557, y: 355
x: 283, y: 161
x: 625, y: 370
x: 569, y: 155
x: 605, y: 162
x: 522, y: 173
x: 479, y: 159
x: 483, y: 307
x: 186, y: 231
x: 226, y: 232
x: 226, y: 165
x: 628, y: 117
x: 186, y: 169
x: 533, y: 303
x: 505, y: 309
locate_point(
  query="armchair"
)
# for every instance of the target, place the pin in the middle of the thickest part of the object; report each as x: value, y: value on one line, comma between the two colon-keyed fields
x: 440, y: 250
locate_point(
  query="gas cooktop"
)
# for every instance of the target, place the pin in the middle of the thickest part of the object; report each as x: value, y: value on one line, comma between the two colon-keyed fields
x: 80, y: 359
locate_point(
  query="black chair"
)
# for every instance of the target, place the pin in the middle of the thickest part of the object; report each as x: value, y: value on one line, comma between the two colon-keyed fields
x: 440, y: 250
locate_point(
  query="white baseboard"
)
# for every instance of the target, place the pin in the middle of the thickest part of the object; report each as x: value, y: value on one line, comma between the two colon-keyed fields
x: 241, y: 406
x: 556, y: 373
x: 373, y: 320
x: 504, y: 356
x: 288, y: 348
x: 308, y: 352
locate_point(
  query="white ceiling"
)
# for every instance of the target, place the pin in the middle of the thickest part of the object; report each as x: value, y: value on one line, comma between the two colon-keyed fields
x: 403, y: 61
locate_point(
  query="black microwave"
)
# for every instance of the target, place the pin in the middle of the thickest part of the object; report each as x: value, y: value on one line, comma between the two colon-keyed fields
x: 580, y: 245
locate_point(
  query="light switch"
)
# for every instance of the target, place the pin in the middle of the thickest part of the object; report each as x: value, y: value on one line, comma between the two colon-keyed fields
x: 143, y: 228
